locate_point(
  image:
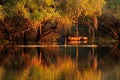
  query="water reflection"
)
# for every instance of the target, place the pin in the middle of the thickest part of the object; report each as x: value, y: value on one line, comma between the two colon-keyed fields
x: 60, y: 63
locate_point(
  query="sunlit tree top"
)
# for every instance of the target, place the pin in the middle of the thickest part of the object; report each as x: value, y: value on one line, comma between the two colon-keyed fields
x: 91, y: 7
x: 33, y: 9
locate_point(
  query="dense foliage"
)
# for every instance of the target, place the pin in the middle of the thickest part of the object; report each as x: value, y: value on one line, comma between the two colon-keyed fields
x: 112, y: 8
x: 51, y: 14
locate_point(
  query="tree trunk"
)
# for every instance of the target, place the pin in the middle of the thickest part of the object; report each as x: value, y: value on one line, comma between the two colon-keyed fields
x: 95, y: 25
x: 25, y: 40
x: 119, y: 36
x: 38, y: 34
x: 95, y: 22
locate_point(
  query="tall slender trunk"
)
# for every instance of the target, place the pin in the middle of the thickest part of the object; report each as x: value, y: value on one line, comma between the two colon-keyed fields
x: 39, y: 31
x: 38, y: 34
x: 25, y: 40
x: 77, y: 26
x: 95, y: 22
x: 95, y: 25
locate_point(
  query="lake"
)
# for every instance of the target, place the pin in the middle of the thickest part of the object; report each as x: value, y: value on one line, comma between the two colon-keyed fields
x: 60, y: 62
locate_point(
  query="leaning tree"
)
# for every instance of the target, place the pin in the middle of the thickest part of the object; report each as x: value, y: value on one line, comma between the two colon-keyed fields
x: 109, y: 22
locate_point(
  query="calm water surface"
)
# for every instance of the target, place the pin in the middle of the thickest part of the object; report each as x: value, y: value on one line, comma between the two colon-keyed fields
x: 65, y: 62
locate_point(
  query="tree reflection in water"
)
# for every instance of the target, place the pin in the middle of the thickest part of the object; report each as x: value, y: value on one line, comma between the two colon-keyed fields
x: 61, y: 63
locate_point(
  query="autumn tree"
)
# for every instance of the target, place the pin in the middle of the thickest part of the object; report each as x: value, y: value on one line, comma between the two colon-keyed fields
x: 109, y: 21
x: 92, y: 9
x: 35, y: 11
x: 42, y: 13
x: 89, y: 8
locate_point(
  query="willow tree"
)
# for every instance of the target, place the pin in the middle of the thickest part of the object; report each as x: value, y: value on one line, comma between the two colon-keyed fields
x: 40, y: 12
x: 16, y: 21
x: 90, y: 8
x: 109, y: 21
x: 36, y: 11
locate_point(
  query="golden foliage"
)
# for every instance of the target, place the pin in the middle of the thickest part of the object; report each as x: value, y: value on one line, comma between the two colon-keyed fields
x: 2, y: 14
x: 91, y: 7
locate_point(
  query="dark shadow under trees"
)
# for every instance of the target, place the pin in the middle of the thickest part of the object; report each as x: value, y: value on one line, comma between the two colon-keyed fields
x: 110, y: 25
x: 13, y: 28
